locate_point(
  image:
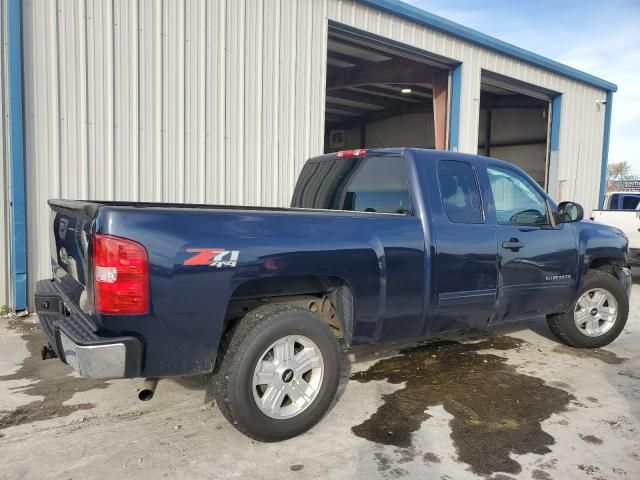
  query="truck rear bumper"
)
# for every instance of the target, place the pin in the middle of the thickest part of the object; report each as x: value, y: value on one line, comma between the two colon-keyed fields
x: 72, y: 335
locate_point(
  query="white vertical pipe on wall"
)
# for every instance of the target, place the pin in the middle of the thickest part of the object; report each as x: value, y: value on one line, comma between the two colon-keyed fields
x: 5, y: 169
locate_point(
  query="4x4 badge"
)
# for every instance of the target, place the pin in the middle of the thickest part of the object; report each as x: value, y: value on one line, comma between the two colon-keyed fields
x: 214, y: 257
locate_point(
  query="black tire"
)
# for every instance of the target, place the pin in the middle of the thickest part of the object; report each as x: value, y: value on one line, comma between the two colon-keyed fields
x: 564, y: 327
x: 241, y: 351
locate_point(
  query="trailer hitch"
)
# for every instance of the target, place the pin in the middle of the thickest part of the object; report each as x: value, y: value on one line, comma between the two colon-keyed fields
x: 48, y: 352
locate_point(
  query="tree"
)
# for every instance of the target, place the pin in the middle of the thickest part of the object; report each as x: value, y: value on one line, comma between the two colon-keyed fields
x: 620, y: 171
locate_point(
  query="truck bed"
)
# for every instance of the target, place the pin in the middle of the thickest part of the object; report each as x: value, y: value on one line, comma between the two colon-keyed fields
x: 364, y: 250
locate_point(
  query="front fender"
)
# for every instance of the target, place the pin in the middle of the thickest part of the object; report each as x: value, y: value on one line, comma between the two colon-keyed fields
x: 598, y: 245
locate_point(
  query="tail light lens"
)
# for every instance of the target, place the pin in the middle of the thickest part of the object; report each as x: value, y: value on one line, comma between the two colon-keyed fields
x: 121, y: 276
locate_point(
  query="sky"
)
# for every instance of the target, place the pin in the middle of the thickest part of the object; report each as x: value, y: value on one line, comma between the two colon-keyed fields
x: 600, y: 38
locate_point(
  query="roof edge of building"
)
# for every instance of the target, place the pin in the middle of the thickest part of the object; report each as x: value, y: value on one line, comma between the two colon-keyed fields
x: 415, y: 14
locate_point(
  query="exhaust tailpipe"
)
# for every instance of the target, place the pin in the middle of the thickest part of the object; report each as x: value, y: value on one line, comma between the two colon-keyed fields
x: 147, y: 389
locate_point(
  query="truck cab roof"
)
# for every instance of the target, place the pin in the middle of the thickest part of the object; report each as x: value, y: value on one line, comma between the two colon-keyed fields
x: 422, y: 153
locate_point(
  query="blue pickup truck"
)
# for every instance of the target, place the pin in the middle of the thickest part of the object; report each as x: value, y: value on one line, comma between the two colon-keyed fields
x: 378, y: 245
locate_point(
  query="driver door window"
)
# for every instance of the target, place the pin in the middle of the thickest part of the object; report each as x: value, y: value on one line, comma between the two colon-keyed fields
x: 516, y: 200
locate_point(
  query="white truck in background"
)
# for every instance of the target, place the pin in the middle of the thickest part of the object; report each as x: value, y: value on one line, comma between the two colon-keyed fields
x: 622, y: 210
x: 623, y: 200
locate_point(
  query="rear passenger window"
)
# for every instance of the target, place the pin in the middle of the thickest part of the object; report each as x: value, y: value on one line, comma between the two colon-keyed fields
x: 370, y: 184
x: 459, y: 192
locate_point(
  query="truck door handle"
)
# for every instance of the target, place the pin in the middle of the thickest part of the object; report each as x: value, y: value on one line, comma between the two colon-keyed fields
x: 514, y: 244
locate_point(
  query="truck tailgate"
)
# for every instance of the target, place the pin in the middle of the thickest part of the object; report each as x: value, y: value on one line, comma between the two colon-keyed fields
x: 64, y: 306
x: 70, y: 230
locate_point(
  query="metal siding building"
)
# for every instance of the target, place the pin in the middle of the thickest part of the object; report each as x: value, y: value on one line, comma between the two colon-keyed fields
x: 222, y: 101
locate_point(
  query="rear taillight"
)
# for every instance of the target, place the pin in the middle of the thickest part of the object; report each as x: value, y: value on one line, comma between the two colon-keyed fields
x: 121, y: 276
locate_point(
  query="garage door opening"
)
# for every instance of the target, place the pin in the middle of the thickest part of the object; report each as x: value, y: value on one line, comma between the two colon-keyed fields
x: 382, y: 95
x: 514, y: 126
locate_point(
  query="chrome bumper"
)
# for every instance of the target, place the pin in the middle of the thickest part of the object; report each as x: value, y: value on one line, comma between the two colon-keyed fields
x: 72, y: 335
x: 107, y: 360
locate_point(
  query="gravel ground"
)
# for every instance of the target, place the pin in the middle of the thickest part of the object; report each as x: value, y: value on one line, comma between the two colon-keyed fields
x: 511, y: 403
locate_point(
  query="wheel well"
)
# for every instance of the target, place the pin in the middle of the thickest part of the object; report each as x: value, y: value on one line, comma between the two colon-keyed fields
x: 608, y: 265
x: 330, y: 298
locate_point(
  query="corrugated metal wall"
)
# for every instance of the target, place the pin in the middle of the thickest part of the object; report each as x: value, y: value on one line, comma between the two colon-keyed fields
x: 5, y: 172
x: 218, y: 101
x: 178, y: 101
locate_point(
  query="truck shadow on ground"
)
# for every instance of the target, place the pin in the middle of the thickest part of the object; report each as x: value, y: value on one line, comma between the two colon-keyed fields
x: 206, y: 382
x: 539, y: 326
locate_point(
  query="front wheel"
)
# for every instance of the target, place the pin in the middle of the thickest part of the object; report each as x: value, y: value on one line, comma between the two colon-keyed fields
x: 598, y: 315
x: 279, y: 373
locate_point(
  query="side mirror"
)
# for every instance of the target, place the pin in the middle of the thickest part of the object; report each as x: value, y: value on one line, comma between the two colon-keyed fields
x: 569, y: 212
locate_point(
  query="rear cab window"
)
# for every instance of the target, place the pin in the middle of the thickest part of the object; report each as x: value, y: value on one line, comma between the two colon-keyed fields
x: 459, y: 192
x: 630, y: 202
x: 375, y: 184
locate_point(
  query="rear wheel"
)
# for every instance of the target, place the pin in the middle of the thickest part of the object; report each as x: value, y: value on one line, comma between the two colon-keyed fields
x: 279, y: 373
x: 598, y: 315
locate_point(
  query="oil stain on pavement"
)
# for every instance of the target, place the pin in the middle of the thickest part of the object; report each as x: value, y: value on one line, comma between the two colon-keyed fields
x: 497, y: 411
x: 43, y: 379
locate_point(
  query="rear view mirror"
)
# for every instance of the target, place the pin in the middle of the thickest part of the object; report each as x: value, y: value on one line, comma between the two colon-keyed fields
x: 569, y: 212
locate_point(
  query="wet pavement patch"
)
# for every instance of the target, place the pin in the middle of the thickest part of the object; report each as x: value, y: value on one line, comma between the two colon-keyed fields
x: 541, y: 475
x: 605, y: 356
x: 430, y: 457
x: 49, y: 380
x: 386, y: 468
x: 497, y: 411
x: 591, y: 439
x: 633, y: 373
x: 589, y: 469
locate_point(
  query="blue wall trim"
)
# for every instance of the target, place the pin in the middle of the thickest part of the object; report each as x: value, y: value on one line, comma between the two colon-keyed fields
x: 16, y: 138
x: 605, y: 148
x: 418, y: 15
x: 454, y: 125
x: 556, y: 110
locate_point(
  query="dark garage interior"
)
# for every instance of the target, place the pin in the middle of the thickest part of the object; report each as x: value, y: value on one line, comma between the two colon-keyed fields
x: 380, y: 96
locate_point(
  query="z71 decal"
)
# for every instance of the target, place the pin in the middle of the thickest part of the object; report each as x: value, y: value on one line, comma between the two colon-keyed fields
x: 214, y: 257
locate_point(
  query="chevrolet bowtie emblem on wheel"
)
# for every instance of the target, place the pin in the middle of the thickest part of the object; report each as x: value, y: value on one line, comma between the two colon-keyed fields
x: 214, y: 257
